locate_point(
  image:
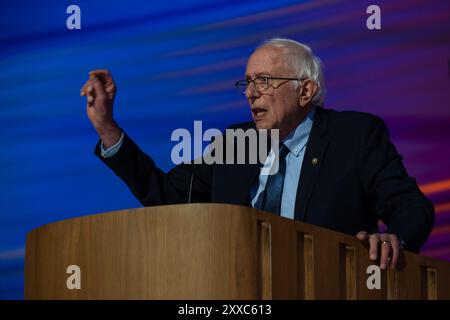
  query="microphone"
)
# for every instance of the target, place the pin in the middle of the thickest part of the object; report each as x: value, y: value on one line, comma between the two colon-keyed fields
x: 196, y: 167
x: 190, y: 187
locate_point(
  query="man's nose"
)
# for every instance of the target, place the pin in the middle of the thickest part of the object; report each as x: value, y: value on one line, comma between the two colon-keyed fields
x: 251, y: 91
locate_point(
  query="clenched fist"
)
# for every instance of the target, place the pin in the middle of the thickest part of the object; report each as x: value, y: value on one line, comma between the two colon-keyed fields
x: 100, y: 91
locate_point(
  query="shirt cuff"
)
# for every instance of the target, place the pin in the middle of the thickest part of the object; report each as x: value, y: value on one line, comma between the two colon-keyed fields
x: 111, y: 151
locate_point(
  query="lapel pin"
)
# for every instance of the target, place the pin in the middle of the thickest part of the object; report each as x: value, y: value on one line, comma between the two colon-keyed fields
x: 314, y: 161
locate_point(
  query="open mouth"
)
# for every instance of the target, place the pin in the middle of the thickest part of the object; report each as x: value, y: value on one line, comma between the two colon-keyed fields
x: 258, y: 113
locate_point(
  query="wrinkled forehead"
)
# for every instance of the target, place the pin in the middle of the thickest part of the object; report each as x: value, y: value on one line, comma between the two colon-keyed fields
x: 266, y: 61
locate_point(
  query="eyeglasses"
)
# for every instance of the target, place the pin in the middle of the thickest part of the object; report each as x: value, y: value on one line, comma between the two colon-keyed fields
x: 262, y: 84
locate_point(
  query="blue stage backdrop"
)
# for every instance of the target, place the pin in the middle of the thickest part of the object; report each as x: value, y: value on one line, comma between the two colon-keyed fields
x: 175, y: 62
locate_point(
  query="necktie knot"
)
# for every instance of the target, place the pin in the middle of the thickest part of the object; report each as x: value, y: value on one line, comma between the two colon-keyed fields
x: 283, y: 151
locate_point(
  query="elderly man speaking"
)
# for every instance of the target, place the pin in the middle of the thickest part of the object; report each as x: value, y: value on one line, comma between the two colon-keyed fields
x: 337, y: 170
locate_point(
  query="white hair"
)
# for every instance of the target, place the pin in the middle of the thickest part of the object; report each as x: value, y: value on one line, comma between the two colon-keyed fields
x: 301, y: 58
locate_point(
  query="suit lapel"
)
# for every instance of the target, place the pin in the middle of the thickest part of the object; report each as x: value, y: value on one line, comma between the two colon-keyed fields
x: 246, y: 176
x: 240, y: 177
x: 312, y: 162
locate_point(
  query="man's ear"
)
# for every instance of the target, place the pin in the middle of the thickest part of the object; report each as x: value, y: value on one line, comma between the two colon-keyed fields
x: 306, y: 92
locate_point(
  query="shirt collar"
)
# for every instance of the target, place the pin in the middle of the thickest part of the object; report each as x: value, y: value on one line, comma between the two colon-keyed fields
x: 296, y: 140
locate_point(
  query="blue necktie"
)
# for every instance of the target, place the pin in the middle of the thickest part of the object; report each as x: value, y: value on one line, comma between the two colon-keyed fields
x: 270, y: 198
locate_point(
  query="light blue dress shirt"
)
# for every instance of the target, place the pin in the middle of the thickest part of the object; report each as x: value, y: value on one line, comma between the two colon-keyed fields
x: 296, y: 143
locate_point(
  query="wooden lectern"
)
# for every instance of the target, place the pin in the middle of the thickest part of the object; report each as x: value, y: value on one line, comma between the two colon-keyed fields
x: 213, y: 251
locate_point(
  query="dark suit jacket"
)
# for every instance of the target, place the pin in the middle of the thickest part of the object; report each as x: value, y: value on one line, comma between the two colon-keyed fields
x: 358, y: 179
